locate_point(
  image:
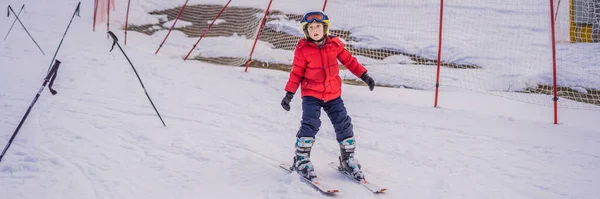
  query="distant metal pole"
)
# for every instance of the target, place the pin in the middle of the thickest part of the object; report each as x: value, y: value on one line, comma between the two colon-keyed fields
x: 16, y: 16
x: 13, y: 23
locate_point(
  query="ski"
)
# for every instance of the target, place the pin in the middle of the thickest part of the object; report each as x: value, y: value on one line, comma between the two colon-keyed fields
x: 316, y: 183
x: 372, y: 187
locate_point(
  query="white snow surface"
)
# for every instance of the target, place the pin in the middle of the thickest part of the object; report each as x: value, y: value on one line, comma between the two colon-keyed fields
x: 179, y: 24
x: 218, y: 21
x: 226, y: 133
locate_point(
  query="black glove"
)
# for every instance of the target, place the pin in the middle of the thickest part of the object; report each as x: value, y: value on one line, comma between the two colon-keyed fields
x: 285, y: 102
x: 365, y: 78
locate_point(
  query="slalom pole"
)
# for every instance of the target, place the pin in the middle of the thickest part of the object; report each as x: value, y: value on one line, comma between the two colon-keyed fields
x: 76, y: 12
x: 16, y: 16
x: 439, y: 55
x: 324, y: 5
x: 127, y: 20
x: 107, y: 17
x: 113, y: 4
x: 51, y: 74
x: 13, y: 23
x: 95, y: 13
x: 262, y: 23
x: 115, y: 42
x: 206, y: 30
x: 554, y: 92
x: 172, y: 26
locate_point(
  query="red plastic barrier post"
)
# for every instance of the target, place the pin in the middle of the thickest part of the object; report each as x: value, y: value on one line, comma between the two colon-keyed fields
x: 439, y: 55
x: 206, y: 30
x: 555, y: 98
x: 127, y: 20
x: 95, y: 12
x: 107, y: 18
x: 262, y: 23
x: 172, y: 26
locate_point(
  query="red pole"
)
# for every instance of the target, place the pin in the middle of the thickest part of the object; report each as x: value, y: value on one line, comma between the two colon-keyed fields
x: 172, y: 26
x: 95, y: 11
x: 108, y: 18
x: 439, y: 56
x: 206, y: 30
x: 324, y: 5
x: 127, y: 20
x: 555, y: 98
x: 262, y: 23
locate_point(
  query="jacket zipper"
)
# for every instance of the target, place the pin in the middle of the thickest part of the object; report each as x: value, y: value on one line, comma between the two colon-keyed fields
x: 324, y: 71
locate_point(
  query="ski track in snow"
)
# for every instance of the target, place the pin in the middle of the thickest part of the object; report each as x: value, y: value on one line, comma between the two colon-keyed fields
x: 434, y: 158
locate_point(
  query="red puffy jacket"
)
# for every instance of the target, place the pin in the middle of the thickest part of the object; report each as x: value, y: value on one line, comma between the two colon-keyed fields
x: 317, y: 70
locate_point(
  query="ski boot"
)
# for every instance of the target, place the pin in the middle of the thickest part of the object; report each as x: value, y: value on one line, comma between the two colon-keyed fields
x: 348, y: 163
x: 302, y: 164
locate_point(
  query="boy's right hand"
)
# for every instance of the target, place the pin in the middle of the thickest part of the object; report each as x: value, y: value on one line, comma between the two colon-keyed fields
x: 285, y: 102
x: 368, y: 80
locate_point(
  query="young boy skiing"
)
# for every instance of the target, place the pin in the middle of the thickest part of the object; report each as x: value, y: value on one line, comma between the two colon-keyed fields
x: 316, y: 71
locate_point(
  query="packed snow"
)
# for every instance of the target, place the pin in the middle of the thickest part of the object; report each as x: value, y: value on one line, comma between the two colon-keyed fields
x: 179, y: 24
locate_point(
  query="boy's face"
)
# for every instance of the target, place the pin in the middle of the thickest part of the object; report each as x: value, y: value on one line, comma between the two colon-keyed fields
x: 315, y: 30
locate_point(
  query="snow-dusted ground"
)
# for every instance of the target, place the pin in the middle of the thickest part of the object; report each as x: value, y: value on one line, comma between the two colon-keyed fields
x: 100, y: 138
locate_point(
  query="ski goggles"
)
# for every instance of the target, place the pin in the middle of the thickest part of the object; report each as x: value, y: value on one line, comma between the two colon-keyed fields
x: 314, y: 16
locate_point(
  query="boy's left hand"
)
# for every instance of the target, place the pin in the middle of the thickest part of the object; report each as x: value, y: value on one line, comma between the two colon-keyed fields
x: 368, y: 80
